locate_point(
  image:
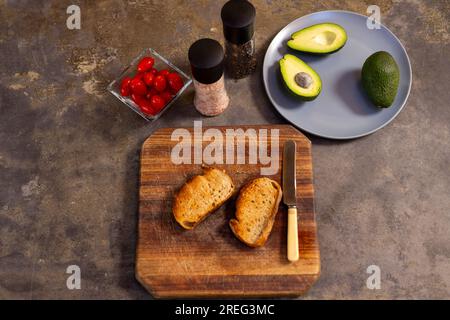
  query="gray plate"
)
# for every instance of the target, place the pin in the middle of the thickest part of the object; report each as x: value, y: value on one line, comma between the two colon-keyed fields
x: 342, y: 110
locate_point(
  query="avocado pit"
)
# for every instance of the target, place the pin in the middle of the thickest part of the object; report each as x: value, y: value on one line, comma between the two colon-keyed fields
x: 303, y: 79
x: 300, y: 78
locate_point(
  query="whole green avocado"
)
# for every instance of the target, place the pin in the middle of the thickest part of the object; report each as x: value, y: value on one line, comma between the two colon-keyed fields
x: 380, y: 78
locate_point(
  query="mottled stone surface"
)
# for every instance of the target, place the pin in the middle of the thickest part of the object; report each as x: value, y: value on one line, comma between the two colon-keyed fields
x: 69, y: 151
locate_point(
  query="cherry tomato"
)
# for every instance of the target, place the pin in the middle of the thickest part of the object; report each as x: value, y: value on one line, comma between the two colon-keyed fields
x: 175, y: 82
x: 145, y: 64
x: 151, y: 93
x: 136, y: 98
x: 166, y: 95
x: 143, y: 104
x: 154, y: 71
x: 164, y: 72
x: 157, y: 103
x: 146, y: 107
x: 125, y: 87
x: 149, y: 78
x: 138, y: 86
x: 148, y: 110
x: 160, y: 83
x: 174, y: 75
x: 140, y: 75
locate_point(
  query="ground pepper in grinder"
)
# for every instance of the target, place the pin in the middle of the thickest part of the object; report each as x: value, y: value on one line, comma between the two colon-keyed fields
x: 238, y: 17
x: 206, y: 58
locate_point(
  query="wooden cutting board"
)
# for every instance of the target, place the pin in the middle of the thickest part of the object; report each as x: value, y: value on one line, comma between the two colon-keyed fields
x: 209, y: 261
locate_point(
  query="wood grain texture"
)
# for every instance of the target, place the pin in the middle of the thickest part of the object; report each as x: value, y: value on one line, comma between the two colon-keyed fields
x: 209, y: 261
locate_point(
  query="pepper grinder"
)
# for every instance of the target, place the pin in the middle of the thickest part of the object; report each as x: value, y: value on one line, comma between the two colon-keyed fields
x: 206, y: 58
x: 238, y: 17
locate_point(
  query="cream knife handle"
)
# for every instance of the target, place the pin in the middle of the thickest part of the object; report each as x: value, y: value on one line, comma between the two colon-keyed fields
x: 292, y: 235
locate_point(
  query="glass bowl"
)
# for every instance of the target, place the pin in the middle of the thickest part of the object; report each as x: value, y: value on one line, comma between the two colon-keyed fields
x: 131, y: 70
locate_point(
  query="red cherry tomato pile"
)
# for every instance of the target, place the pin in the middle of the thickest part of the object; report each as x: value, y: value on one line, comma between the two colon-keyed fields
x: 151, y: 89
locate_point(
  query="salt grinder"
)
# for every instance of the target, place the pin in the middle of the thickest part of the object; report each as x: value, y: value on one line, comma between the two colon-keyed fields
x: 206, y: 57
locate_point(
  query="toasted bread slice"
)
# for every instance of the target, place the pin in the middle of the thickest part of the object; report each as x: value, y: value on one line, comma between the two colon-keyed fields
x: 202, y: 195
x: 256, y: 209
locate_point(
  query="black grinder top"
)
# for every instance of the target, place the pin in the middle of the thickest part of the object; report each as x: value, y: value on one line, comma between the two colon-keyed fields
x: 206, y: 59
x: 238, y: 17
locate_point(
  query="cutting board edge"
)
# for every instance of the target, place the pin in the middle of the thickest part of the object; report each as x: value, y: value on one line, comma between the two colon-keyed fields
x: 169, y: 293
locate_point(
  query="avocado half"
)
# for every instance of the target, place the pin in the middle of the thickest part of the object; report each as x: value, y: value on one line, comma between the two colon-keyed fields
x: 300, y: 78
x: 319, y: 38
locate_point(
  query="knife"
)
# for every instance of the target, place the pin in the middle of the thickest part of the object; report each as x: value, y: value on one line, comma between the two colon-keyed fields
x: 290, y: 198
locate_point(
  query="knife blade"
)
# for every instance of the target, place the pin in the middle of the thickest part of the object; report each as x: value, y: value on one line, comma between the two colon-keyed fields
x: 289, y: 179
x: 290, y: 198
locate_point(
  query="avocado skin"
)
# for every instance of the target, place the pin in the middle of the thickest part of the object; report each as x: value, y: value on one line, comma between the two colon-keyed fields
x: 380, y: 79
